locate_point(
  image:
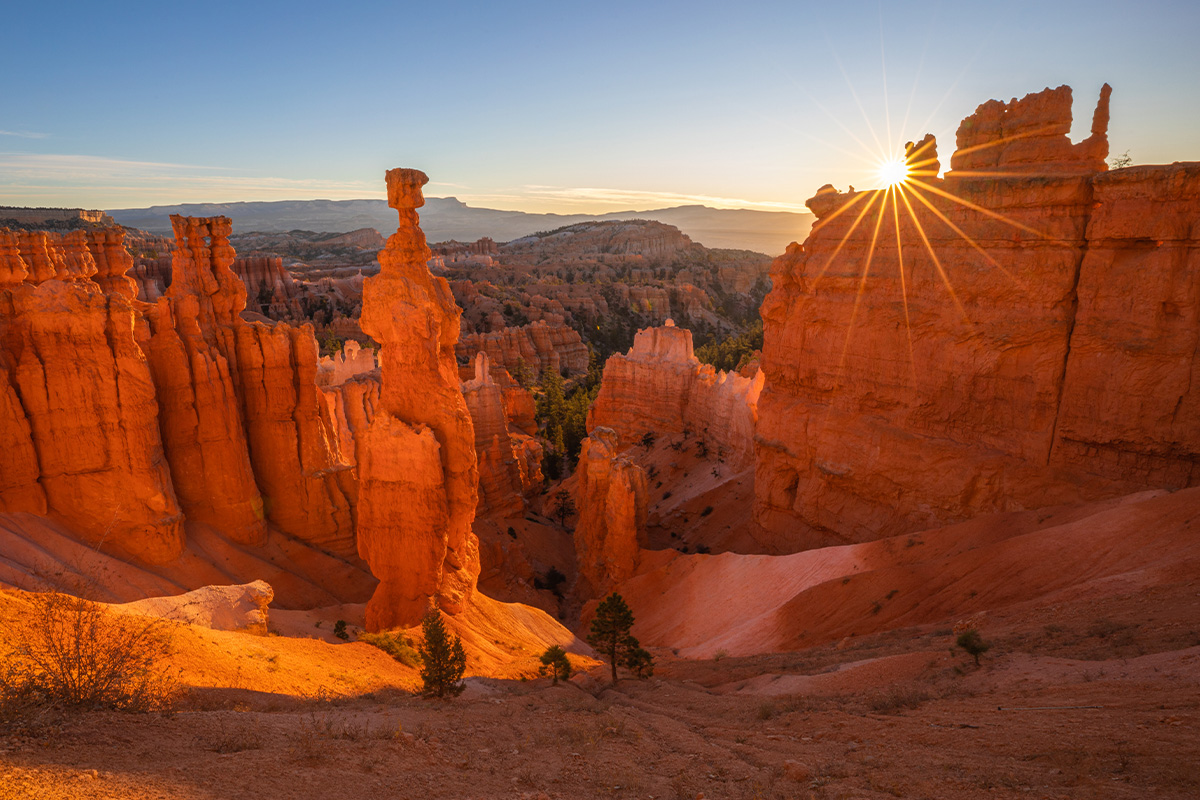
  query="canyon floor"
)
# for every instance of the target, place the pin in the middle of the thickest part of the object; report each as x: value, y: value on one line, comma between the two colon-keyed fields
x: 1090, y: 698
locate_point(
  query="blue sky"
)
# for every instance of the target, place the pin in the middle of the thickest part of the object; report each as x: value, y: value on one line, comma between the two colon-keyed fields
x: 556, y: 106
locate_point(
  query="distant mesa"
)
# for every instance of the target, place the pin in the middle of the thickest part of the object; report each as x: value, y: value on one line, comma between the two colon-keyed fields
x: 447, y: 218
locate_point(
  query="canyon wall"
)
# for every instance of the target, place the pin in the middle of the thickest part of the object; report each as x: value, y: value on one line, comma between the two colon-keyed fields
x: 1020, y: 333
x: 417, y: 469
x: 509, y: 460
x: 78, y: 413
x: 124, y: 418
x: 538, y: 345
x: 660, y: 387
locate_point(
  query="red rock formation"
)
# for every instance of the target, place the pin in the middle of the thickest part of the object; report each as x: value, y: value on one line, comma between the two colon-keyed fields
x: 351, y: 360
x: 538, y: 345
x: 269, y: 286
x: 611, y: 530
x: 239, y: 413
x: 417, y: 471
x: 660, y: 387
x: 1016, y: 369
x: 78, y: 419
x: 501, y: 482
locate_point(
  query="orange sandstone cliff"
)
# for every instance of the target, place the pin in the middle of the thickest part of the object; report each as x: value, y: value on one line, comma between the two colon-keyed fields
x: 1019, y: 333
x: 660, y: 387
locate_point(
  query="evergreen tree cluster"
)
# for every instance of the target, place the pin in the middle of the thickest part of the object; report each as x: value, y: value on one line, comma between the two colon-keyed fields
x: 729, y: 353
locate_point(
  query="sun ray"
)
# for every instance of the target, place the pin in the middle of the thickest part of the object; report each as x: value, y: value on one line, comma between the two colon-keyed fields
x: 936, y: 261
x: 916, y: 187
x: 874, y: 193
x: 862, y: 283
x: 912, y: 361
x: 845, y: 128
x: 854, y: 94
x: 887, y: 112
x: 982, y: 210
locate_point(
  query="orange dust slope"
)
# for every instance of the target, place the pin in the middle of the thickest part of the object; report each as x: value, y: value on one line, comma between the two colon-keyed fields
x: 750, y: 604
x: 38, y: 553
x: 502, y: 640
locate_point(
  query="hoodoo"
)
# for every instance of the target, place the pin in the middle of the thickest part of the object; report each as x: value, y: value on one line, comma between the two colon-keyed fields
x: 417, y: 471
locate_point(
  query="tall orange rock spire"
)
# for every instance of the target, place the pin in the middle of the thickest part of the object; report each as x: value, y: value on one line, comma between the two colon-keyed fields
x: 418, y: 474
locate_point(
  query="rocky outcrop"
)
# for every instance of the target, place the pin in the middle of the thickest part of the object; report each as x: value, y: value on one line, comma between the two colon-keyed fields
x: 78, y: 416
x: 239, y: 414
x: 351, y: 360
x: 501, y: 489
x: 660, y: 387
x: 241, y: 607
x: 509, y: 460
x: 1019, y: 334
x: 417, y: 469
x: 269, y: 287
x: 538, y: 345
x: 611, y: 499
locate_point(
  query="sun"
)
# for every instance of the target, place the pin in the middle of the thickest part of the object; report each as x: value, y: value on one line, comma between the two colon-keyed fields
x: 893, y: 172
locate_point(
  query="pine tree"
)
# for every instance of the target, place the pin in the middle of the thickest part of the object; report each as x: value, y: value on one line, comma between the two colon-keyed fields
x: 444, y: 661
x: 610, y: 636
x: 555, y: 661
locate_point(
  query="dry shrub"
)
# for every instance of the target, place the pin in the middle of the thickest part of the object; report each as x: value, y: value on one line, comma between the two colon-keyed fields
x: 76, y: 653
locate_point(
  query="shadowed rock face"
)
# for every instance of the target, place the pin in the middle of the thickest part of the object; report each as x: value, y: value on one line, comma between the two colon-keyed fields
x: 417, y: 466
x: 1025, y: 334
x: 612, y: 515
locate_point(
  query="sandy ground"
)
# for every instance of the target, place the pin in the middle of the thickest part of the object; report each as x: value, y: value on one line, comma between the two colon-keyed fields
x: 894, y: 714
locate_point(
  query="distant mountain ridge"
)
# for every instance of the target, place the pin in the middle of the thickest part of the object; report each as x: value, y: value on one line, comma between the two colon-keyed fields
x: 445, y: 218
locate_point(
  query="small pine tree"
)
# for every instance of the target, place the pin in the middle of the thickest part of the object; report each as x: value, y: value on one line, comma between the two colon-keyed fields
x: 973, y: 643
x: 443, y: 661
x: 640, y: 662
x: 563, y: 506
x: 609, y: 633
x: 555, y: 661
x: 339, y: 630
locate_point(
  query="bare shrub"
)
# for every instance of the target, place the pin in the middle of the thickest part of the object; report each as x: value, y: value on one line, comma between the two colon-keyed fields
x: 79, y: 654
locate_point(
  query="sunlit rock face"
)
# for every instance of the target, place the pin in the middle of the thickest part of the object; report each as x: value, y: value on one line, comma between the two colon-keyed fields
x: 660, y: 387
x: 1018, y: 334
x: 123, y: 418
x: 78, y: 417
x: 417, y: 468
x: 238, y: 403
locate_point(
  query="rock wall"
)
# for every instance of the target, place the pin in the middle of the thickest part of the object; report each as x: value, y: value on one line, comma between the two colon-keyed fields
x: 417, y: 469
x: 538, y: 345
x: 611, y: 499
x: 1018, y: 334
x: 660, y: 387
x: 78, y: 415
x: 502, y: 465
x: 269, y: 286
x: 123, y: 418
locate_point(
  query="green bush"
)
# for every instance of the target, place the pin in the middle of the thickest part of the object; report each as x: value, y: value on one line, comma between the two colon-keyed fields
x: 395, y: 645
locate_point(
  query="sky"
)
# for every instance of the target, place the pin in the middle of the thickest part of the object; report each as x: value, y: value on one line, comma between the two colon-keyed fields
x: 558, y: 106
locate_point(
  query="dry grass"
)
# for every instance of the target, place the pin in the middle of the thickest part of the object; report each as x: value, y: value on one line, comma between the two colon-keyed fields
x: 78, y: 654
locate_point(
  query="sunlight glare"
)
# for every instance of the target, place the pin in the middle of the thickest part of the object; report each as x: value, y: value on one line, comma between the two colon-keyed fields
x: 893, y: 172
